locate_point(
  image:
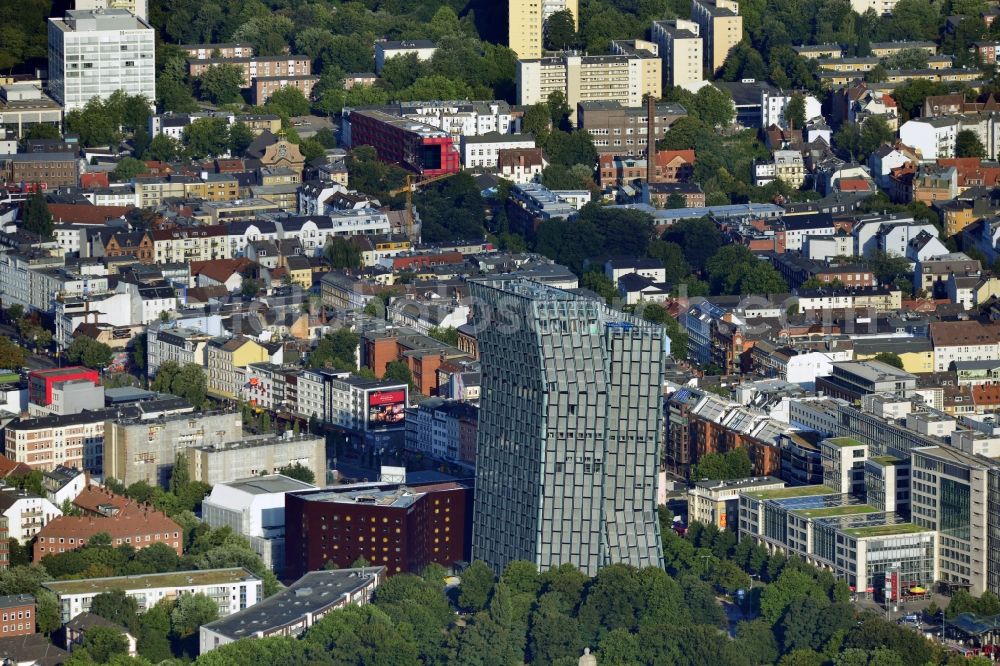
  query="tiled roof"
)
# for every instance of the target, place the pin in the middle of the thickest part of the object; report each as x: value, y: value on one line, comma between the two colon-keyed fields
x: 86, y: 213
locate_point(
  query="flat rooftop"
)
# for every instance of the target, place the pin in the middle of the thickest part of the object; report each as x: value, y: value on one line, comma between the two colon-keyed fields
x: 398, y: 496
x: 311, y: 593
x: 843, y: 442
x: 728, y: 484
x: 830, y: 511
x: 885, y: 530
x: 266, y: 485
x: 789, y: 493
x: 172, y: 579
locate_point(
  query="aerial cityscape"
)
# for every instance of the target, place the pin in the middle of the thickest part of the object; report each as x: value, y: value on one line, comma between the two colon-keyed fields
x: 500, y: 332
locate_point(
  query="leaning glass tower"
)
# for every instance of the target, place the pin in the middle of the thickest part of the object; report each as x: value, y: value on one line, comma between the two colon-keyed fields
x: 569, y: 430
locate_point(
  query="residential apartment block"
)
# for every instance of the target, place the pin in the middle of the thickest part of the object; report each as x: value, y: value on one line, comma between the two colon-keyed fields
x: 619, y: 78
x: 721, y: 27
x: 123, y: 519
x: 682, y: 51
x: 295, y: 608
x: 526, y: 24
x: 218, y: 51
x: 256, y: 67
x: 621, y: 130
x: 232, y: 589
x: 443, y: 429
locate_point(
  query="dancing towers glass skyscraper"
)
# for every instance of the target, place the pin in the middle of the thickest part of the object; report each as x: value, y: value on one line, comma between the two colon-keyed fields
x: 569, y: 430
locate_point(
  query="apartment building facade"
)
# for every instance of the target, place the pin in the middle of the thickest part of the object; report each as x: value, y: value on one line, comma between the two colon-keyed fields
x: 586, y: 78
x: 232, y: 589
x: 256, y: 67
x: 722, y: 28
x: 526, y: 24
x: 618, y: 129
x: 682, y: 50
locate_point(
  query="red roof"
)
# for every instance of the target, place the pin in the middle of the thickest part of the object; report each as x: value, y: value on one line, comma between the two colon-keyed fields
x: 888, y: 102
x: 853, y: 185
x: 220, y: 270
x: 665, y: 157
x: 86, y: 213
x: 986, y: 394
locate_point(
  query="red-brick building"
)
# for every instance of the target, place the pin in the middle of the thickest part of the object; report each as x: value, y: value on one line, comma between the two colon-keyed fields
x: 126, y: 521
x: 401, y: 527
x: 17, y: 615
x: 412, y: 145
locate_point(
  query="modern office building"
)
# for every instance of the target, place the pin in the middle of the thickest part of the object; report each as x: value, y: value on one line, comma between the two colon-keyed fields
x: 255, y: 508
x: 713, y: 502
x: 401, y: 527
x: 526, y: 23
x: 232, y: 589
x: 583, y: 78
x: 877, y: 553
x: 850, y: 380
x: 412, y: 145
x: 93, y: 53
x: 569, y: 430
x: 949, y: 492
x: 682, y: 51
x: 721, y: 27
x: 843, y: 462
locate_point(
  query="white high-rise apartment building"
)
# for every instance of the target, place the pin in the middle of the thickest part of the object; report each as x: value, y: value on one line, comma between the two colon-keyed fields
x: 93, y: 53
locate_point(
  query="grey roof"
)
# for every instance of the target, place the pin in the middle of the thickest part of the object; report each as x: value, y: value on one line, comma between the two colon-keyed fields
x: 33, y: 649
x: 406, y: 44
x: 266, y: 485
x: 16, y: 600
x: 309, y: 595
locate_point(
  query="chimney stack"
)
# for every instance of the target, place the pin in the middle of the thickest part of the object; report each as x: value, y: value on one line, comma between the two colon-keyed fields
x: 650, y: 139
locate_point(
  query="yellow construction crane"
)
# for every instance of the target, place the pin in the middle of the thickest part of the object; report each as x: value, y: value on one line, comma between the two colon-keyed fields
x: 412, y: 184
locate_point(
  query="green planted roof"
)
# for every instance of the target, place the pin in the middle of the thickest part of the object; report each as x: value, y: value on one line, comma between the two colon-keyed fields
x: 844, y: 441
x: 795, y: 491
x: 886, y: 460
x: 829, y: 511
x: 884, y: 530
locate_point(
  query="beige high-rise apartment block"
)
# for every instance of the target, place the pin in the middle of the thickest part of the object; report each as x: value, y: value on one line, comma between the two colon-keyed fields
x: 620, y: 78
x: 682, y: 50
x: 526, y: 24
x: 721, y: 28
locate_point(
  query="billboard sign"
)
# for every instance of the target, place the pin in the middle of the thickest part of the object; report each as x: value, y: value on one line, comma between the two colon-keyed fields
x: 386, y: 408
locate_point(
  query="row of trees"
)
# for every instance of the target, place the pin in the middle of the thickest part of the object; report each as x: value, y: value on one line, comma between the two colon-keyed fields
x: 795, y: 615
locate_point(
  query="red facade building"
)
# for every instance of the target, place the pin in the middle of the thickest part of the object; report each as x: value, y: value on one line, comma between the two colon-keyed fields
x: 17, y: 615
x: 40, y: 382
x: 403, y: 527
x: 414, y: 146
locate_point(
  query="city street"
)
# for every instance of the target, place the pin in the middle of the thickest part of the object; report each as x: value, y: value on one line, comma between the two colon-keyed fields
x: 32, y: 361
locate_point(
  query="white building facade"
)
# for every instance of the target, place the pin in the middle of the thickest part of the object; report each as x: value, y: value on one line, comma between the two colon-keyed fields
x: 93, y: 53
